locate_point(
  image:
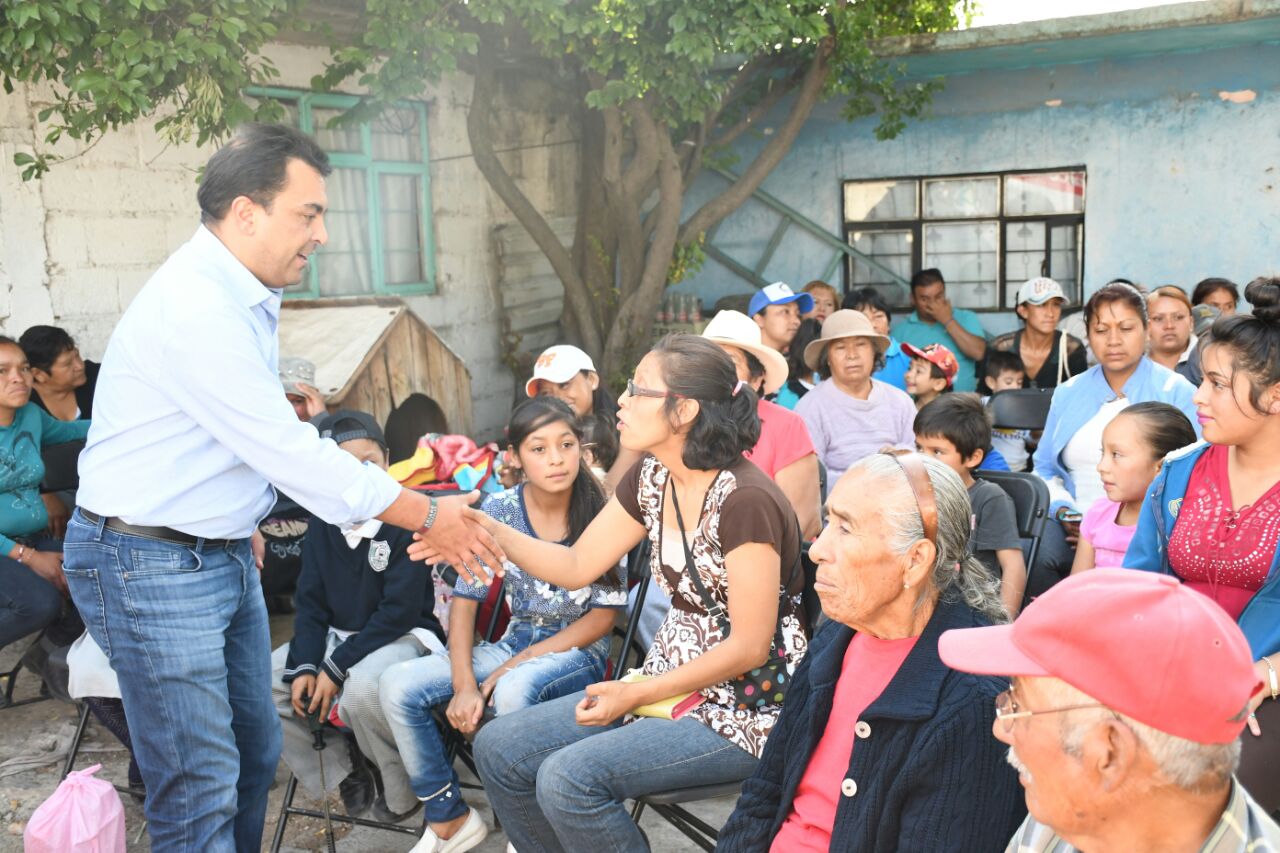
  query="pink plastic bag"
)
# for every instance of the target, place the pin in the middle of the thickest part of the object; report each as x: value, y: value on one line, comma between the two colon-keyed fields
x: 84, y: 815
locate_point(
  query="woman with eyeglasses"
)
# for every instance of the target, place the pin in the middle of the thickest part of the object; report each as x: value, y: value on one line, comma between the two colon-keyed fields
x: 880, y: 746
x: 726, y: 549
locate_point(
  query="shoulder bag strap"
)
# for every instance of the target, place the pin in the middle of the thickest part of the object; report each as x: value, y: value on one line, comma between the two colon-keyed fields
x: 714, y: 608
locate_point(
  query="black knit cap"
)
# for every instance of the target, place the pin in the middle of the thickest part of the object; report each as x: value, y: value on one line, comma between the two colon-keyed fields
x: 348, y: 425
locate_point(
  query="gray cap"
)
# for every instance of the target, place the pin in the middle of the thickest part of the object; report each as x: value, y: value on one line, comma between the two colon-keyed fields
x: 293, y: 370
x: 1203, y: 316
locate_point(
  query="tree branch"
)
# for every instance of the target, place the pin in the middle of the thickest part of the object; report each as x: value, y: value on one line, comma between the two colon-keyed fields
x: 762, y: 108
x: 480, y: 134
x: 630, y: 332
x: 740, y: 190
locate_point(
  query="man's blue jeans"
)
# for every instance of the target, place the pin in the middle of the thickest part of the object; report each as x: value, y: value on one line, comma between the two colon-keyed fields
x: 556, y: 785
x: 185, y: 630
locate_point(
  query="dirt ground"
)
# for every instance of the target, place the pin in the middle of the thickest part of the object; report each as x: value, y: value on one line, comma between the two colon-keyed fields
x: 48, y: 724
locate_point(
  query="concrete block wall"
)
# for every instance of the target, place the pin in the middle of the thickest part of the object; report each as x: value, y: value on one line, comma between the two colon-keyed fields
x: 77, y: 246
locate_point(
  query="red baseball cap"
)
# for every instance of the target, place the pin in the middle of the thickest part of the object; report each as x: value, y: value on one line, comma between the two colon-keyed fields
x: 938, y: 355
x: 1138, y: 642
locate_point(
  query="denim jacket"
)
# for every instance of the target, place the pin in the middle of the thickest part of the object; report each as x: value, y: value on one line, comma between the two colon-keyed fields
x: 1149, y: 548
x: 1078, y: 399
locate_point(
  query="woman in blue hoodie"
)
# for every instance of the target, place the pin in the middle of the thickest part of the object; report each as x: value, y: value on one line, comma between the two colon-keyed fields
x: 1212, y: 515
x: 1071, y: 447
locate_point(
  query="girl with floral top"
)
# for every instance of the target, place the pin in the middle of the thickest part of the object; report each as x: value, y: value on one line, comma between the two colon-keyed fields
x: 556, y: 643
x: 558, y: 774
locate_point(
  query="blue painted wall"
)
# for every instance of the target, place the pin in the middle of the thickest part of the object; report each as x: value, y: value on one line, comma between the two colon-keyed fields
x: 1181, y: 183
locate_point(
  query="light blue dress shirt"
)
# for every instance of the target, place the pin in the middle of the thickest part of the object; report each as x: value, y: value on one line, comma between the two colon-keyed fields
x: 190, y: 424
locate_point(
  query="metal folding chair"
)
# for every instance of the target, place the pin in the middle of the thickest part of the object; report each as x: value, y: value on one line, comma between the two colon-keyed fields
x: 455, y: 745
x: 670, y: 804
x: 1031, y: 510
x: 11, y: 681
x: 1021, y: 408
x: 82, y: 726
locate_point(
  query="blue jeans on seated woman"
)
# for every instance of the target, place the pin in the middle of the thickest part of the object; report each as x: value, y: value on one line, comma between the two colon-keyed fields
x: 28, y: 602
x: 556, y: 785
x: 411, y: 689
x: 185, y: 629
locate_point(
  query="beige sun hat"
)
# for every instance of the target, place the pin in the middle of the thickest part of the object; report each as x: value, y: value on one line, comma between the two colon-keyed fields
x: 845, y: 323
x: 738, y: 330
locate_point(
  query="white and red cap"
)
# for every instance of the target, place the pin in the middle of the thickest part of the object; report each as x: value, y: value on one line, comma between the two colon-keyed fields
x: 558, y: 364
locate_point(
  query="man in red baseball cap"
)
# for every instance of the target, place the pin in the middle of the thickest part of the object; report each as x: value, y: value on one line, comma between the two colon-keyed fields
x: 1123, y: 718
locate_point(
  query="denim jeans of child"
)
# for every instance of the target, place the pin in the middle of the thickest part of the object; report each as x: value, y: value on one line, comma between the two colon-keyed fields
x: 556, y: 785
x: 410, y: 690
x: 185, y: 629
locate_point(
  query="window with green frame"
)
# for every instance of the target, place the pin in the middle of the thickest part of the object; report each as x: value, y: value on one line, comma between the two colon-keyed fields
x: 379, y: 216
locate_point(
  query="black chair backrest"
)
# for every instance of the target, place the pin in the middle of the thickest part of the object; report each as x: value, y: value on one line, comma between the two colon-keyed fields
x: 1022, y: 408
x: 638, y: 569
x: 61, y: 466
x: 1030, y: 499
x: 808, y: 596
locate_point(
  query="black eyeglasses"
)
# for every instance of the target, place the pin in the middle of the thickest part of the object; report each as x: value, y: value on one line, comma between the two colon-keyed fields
x: 634, y: 390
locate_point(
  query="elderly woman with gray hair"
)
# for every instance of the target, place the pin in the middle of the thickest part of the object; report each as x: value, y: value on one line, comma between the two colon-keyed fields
x: 880, y: 746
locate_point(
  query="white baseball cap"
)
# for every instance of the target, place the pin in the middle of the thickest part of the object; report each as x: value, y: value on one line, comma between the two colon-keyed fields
x: 1038, y: 291
x: 558, y: 364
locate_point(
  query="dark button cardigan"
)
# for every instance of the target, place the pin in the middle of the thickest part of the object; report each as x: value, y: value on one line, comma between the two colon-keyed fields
x: 929, y: 777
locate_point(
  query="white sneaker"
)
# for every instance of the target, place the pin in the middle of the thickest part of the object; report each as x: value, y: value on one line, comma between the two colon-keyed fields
x: 511, y: 848
x: 469, y: 835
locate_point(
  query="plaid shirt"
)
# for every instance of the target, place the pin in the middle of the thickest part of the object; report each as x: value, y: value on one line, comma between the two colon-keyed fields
x: 1243, y: 828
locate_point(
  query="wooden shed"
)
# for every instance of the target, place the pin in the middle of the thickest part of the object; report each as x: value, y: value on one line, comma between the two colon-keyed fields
x: 375, y: 355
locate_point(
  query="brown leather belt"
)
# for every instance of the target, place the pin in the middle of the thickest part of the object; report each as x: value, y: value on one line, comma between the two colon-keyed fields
x: 160, y: 534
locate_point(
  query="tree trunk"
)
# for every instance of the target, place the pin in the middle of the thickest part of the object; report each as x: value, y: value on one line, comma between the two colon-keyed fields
x: 595, y: 238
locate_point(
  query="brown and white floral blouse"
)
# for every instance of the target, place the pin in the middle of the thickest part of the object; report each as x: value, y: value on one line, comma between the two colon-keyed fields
x: 742, y: 505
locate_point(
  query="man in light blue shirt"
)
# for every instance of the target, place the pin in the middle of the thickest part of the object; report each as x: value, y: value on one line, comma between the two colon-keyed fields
x: 190, y: 433
x: 935, y: 322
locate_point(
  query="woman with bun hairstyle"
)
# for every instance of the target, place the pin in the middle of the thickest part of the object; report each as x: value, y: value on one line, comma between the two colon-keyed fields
x: 1212, y: 516
x: 558, y: 775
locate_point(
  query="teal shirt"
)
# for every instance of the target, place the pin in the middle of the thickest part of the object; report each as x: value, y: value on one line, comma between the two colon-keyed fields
x: 22, y: 511
x: 912, y: 330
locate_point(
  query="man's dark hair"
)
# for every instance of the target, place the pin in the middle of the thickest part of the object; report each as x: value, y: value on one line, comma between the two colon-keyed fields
x: 253, y: 164
x: 44, y: 344
x: 960, y: 419
x: 925, y: 278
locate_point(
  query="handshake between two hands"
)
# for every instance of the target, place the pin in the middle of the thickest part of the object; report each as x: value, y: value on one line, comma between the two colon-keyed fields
x: 464, y: 538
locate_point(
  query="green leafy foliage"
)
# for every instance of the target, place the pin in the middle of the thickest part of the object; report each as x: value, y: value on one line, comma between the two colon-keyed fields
x: 110, y: 63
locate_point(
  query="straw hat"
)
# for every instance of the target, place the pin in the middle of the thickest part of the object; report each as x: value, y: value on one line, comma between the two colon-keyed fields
x: 738, y: 330
x: 845, y: 323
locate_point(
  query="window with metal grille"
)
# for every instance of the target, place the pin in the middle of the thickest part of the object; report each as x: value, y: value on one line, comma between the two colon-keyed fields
x: 986, y: 233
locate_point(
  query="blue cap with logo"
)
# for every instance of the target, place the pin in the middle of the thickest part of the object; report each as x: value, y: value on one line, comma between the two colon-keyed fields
x: 779, y: 293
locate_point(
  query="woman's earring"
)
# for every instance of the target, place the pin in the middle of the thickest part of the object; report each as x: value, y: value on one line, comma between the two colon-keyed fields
x: 906, y: 585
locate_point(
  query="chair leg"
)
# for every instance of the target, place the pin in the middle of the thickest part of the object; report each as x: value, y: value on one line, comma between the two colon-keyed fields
x: 690, y: 826
x: 637, y: 811
x: 81, y: 726
x: 285, y: 805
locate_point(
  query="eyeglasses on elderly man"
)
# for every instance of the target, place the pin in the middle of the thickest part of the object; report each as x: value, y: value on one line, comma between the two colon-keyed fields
x: 1150, y: 700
